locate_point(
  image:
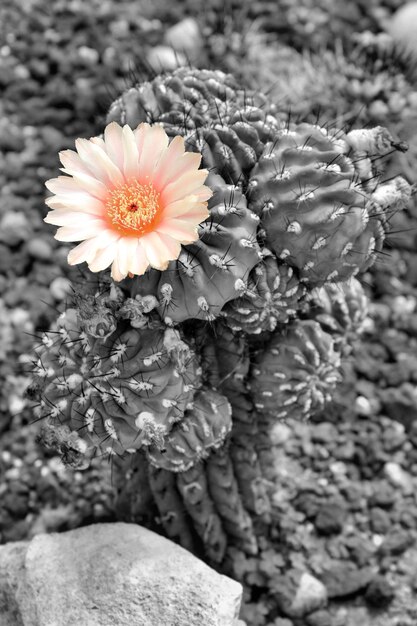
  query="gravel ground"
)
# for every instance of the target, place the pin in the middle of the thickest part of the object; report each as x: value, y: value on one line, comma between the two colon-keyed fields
x: 348, y: 480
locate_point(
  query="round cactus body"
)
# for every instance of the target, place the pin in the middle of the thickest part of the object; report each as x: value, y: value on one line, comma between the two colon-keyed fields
x: 217, y: 118
x: 296, y: 374
x: 204, y: 427
x: 316, y: 215
x: 271, y: 297
x: 340, y: 309
x: 121, y: 393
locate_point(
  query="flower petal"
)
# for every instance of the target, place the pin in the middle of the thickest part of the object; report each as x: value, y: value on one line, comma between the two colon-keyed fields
x: 84, y: 252
x: 103, y: 258
x: 113, y: 138
x: 62, y: 217
x: 183, y: 231
x: 185, y: 207
x: 154, y: 145
x: 175, y: 162
x: 173, y: 246
x: 88, y: 183
x: 79, y: 232
x: 155, y: 251
x: 140, y: 264
x: 116, y: 273
x: 187, y: 184
x: 130, y: 153
x: 73, y: 163
x: 78, y: 203
x: 99, y: 162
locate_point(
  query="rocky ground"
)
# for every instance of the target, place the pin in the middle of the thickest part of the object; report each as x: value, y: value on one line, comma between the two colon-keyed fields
x: 347, y: 494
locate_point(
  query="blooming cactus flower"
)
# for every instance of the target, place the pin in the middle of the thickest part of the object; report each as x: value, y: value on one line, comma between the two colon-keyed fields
x: 131, y: 198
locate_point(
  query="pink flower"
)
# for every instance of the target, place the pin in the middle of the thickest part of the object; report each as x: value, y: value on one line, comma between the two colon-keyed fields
x: 131, y: 198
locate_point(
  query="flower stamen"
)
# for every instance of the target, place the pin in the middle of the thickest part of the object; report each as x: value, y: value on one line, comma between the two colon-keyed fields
x: 131, y: 208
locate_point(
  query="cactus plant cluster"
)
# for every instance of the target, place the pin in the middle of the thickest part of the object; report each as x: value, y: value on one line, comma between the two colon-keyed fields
x: 179, y: 374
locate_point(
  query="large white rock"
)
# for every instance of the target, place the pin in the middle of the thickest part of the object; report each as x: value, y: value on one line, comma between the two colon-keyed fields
x: 111, y: 575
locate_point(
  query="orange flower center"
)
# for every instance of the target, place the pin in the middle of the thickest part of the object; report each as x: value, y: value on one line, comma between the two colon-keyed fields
x: 131, y: 208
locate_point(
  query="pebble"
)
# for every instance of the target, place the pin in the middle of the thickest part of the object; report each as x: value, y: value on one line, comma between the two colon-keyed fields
x: 363, y: 406
x: 39, y: 249
x: 319, y: 618
x: 344, y: 580
x: 185, y: 36
x: 399, y: 477
x: 403, y: 29
x: 379, y: 521
x: 325, y: 432
x: 165, y: 58
x: 383, y: 495
x: 330, y: 518
x: 14, y: 228
x: 88, y: 55
x: 60, y: 288
x: 396, y: 542
x: 300, y: 593
x: 280, y: 433
x: 379, y: 593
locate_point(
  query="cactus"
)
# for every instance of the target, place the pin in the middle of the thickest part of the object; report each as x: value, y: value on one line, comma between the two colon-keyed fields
x: 295, y: 375
x: 223, y: 122
x: 341, y: 310
x: 316, y: 213
x: 120, y: 393
x: 271, y: 296
x: 179, y: 374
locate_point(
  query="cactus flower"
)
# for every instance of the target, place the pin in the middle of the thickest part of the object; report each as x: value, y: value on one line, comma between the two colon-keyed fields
x: 131, y: 198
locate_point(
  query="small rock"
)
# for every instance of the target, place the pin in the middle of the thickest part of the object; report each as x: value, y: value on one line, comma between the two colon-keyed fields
x: 403, y: 28
x: 330, y: 518
x: 60, y: 288
x: 185, y: 37
x: 345, y: 452
x: 360, y: 548
x: 396, y: 543
x: 400, y: 403
x: 280, y: 433
x: 88, y: 55
x: 319, y: 618
x: 39, y: 249
x: 379, y: 593
x: 399, y: 477
x: 308, y: 503
x: 14, y: 228
x: 162, y: 58
x: 383, y: 495
x: 363, y: 406
x: 300, y: 593
x: 325, y: 432
x: 379, y: 520
x: 344, y: 580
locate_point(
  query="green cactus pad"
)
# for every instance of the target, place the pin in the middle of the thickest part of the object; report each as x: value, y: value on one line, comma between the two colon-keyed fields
x: 295, y: 375
x: 315, y: 212
x: 340, y: 309
x: 204, y: 427
x: 185, y: 97
x: 121, y: 393
x: 271, y: 297
x: 199, y: 505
